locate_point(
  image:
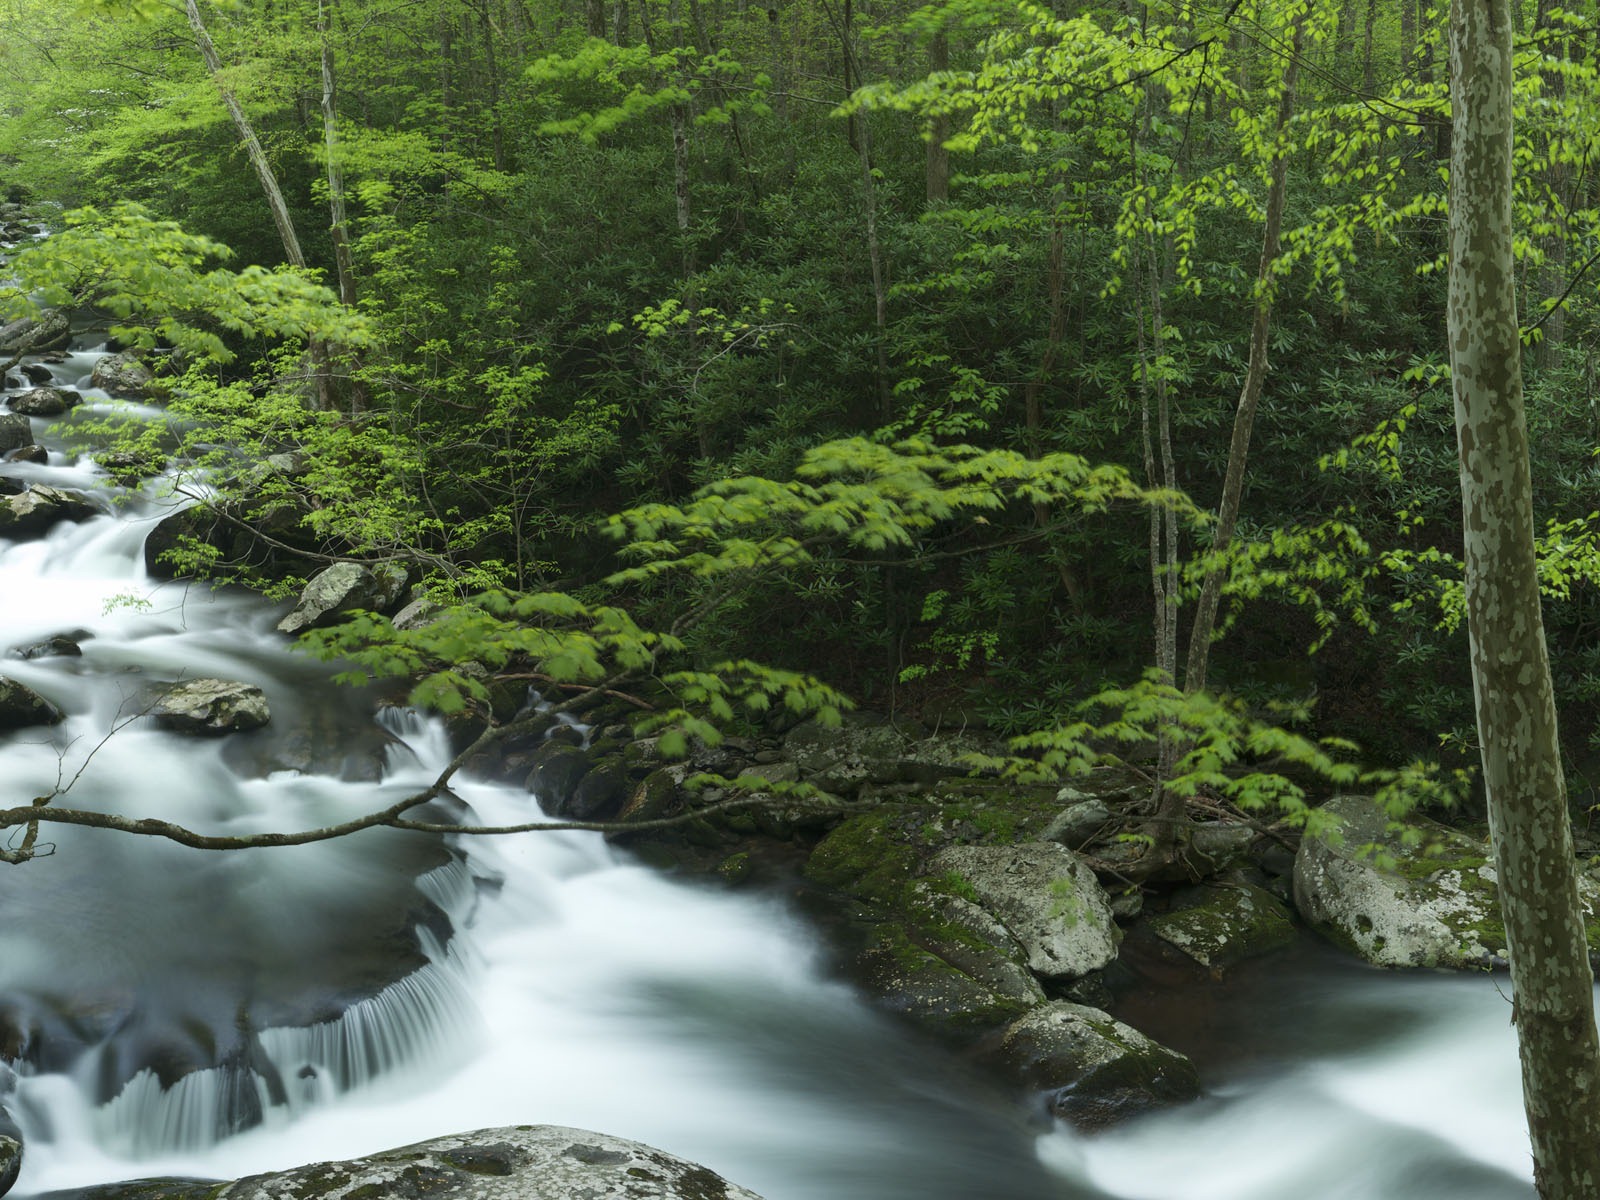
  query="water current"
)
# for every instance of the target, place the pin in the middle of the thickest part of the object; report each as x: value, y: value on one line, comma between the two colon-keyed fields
x: 577, y: 987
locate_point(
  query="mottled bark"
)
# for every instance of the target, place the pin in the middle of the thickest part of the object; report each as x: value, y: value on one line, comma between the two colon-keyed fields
x: 1550, y: 974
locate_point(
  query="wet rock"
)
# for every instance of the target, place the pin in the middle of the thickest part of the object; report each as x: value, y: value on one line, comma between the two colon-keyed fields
x: 10, y: 1151
x: 558, y: 769
x: 1214, y: 846
x: 342, y: 588
x: 129, y: 467
x: 37, y: 373
x: 121, y: 375
x: 1432, y: 903
x: 16, y: 431
x: 949, y: 965
x: 44, y: 402
x: 601, y: 792
x: 29, y: 335
x: 1047, y: 897
x: 1096, y: 1069
x: 36, y: 510
x: 527, y: 1162
x: 61, y: 645
x: 211, y: 707
x: 1219, y: 926
x: 21, y: 706
x: 28, y: 454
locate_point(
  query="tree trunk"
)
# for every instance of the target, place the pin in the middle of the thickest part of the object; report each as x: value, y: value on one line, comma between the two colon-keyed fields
x: 247, y: 135
x: 1205, y: 614
x: 1550, y: 976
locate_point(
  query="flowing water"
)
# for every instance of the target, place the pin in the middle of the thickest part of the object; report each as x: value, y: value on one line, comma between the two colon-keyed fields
x: 546, y: 978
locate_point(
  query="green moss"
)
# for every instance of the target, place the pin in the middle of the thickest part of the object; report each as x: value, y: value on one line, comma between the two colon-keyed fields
x: 1066, y: 905
x: 866, y: 856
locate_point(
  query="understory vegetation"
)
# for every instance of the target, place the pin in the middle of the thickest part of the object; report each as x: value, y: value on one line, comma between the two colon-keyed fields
x: 973, y: 361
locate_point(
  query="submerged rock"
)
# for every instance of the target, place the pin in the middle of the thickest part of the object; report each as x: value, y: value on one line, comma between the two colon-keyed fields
x: 211, y: 706
x: 525, y: 1162
x: 1096, y: 1069
x: 1047, y: 897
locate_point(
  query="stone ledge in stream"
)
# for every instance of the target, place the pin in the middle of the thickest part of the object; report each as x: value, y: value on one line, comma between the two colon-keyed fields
x: 211, y: 707
x: 38, y: 509
x: 44, y: 401
x: 343, y: 588
x: 21, y: 706
x: 523, y: 1162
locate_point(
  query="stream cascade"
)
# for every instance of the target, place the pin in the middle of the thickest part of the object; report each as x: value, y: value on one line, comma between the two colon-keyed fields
x: 175, y: 1012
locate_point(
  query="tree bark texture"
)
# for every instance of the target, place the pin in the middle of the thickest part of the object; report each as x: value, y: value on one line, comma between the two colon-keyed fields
x: 1550, y: 975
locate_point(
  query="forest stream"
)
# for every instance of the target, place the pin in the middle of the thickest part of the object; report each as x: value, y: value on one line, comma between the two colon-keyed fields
x: 564, y: 982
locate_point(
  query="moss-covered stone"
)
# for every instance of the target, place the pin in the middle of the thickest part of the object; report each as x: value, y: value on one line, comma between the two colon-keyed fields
x: 1095, y: 1068
x: 1219, y: 926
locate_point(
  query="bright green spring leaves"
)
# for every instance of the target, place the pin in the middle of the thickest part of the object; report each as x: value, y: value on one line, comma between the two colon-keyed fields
x: 152, y: 277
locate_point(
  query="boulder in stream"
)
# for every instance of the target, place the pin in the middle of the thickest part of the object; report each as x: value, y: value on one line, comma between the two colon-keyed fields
x: 341, y: 588
x: 211, y: 707
x: 121, y: 375
x: 44, y: 401
x: 16, y: 431
x: 21, y: 706
x: 1096, y: 1069
x: 10, y: 1150
x: 1411, y: 893
x: 523, y: 1162
x: 36, y: 510
x: 1047, y: 897
x: 30, y: 335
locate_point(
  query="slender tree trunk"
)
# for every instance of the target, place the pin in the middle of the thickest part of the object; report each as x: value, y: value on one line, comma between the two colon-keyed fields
x: 339, y: 227
x: 1205, y: 615
x: 247, y: 135
x: 321, y: 371
x: 1552, y: 985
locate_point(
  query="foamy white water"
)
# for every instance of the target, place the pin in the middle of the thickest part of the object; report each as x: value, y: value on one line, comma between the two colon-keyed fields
x: 578, y: 988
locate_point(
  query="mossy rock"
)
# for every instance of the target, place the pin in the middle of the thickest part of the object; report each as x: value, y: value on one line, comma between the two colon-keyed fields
x: 1096, y: 1070
x: 1409, y: 894
x: 1220, y: 926
x: 868, y: 856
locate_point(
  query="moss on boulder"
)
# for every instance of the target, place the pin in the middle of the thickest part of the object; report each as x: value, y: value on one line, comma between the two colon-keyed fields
x: 1219, y: 926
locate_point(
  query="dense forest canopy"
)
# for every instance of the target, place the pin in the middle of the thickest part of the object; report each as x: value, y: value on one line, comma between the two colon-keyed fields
x: 957, y: 354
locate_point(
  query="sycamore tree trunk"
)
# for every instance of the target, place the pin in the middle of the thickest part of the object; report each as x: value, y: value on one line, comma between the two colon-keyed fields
x: 1551, y: 981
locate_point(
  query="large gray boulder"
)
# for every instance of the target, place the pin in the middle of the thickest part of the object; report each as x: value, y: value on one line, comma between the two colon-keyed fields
x: 211, y: 707
x: 44, y: 401
x: 121, y: 375
x: 29, y: 335
x: 341, y: 588
x: 38, y: 509
x: 21, y: 706
x: 1048, y: 899
x: 1096, y: 1069
x: 525, y: 1162
x: 1413, y: 895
